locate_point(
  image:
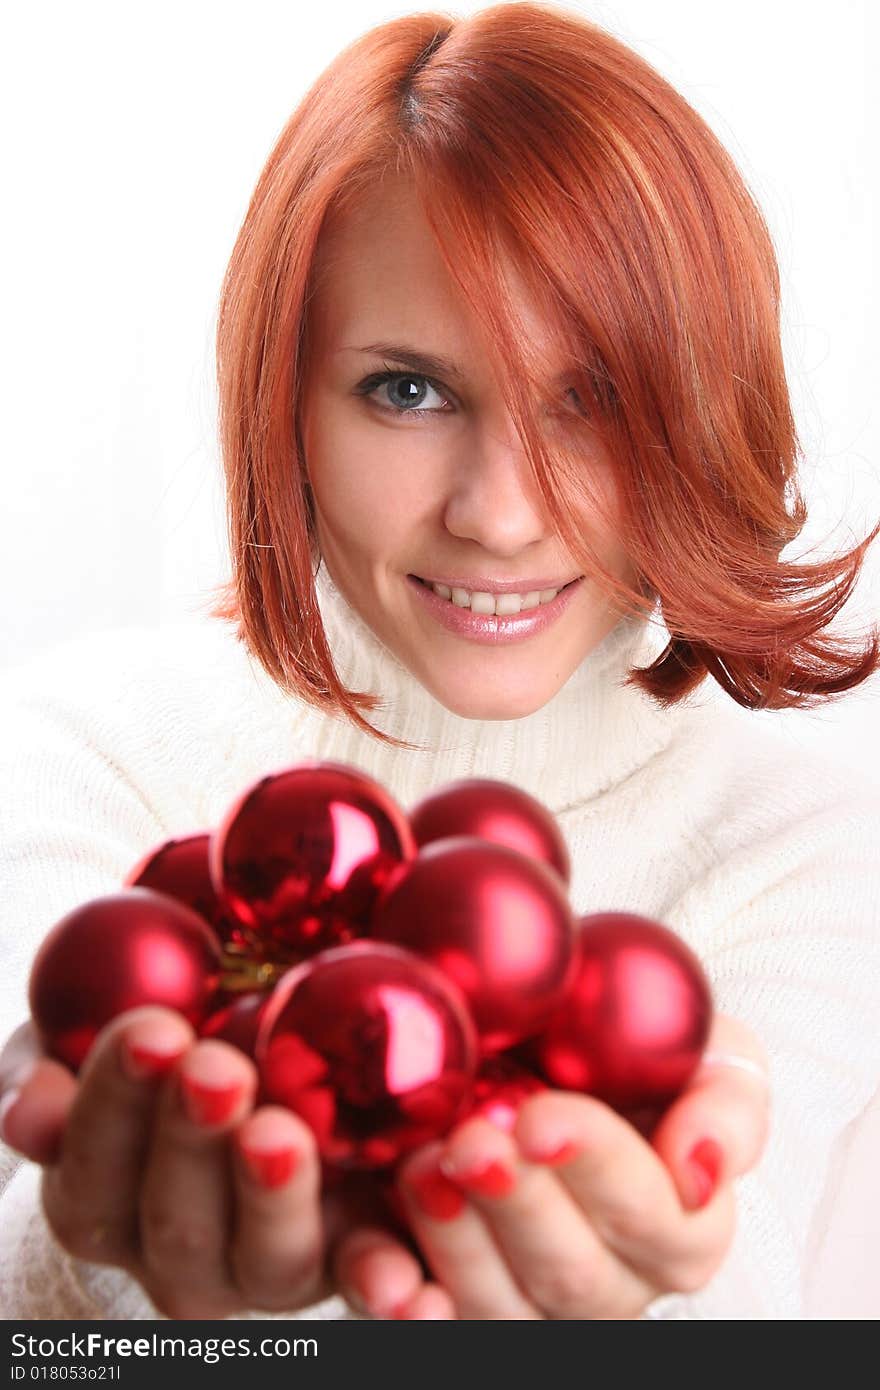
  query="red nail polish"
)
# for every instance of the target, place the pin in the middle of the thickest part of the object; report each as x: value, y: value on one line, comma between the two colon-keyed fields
x: 209, y: 1105
x: 271, y: 1168
x: 703, y: 1166
x: 436, y: 1195
x: 492, y: 1180
x: 144, y: 1063
x: 560, y: 1153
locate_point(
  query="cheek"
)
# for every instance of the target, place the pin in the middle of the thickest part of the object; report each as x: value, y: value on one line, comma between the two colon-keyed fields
x: 597, y: 500
x: 614, y: 557
x: 369, y: 485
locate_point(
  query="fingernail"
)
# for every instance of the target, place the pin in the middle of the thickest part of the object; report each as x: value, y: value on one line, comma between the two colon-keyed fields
x: 553, y: 1155
x: 141, y: 1062
x: 493, y: 1179
x: 436, y: 1195
x: 703, y: 1166
x: 209, y: 1105
x: 6, y: 1104
x: 270, y: 1168
x: 150, y: 1049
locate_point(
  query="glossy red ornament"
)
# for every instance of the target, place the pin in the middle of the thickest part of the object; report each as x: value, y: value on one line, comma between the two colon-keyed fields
x: 302, y: 855
x: 496, y: 811
x: 238, y: 1022
x: 180, y: 868
x: 115, y: 953
x: 495, y: 921
x: 500, y: 1087
x: 634, y: 1023
x: 373, y: 1047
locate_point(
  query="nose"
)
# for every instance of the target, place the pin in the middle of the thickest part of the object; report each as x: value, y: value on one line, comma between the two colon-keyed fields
x: 493, y: 499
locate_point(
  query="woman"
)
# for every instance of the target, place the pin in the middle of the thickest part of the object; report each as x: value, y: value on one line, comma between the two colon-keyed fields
x: 499, y: 338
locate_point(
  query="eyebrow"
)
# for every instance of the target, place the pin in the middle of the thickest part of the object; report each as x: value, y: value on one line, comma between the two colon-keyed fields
x: 427, y: 363
x: 423, y: 362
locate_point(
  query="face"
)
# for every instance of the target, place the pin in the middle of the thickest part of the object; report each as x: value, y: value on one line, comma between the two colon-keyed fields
x: 423, y: 475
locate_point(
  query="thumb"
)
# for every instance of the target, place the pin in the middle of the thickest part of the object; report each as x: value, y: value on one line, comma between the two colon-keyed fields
x: 718, y: 1128
x: 36, y: 1093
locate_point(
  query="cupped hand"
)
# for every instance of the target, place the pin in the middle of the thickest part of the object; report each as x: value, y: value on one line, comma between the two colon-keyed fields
x: 157, y: 1161
x: 574, y: 1215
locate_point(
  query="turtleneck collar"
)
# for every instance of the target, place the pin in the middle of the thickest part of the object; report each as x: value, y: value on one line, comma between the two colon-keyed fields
x: 591, y: 735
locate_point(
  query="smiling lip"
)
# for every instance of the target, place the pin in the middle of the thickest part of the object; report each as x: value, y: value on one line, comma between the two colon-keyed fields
x: 497, y: 586
x: 485, y: 628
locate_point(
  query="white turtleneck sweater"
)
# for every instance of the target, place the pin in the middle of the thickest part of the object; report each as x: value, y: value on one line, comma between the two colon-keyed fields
x: 765, y: 861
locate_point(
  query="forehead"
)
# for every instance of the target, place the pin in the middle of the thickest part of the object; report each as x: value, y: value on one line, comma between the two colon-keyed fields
x: 379, y: 275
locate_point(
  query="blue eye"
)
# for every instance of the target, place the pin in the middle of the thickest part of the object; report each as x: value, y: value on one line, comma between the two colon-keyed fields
x: 409, y: 398
x: 414, y: 388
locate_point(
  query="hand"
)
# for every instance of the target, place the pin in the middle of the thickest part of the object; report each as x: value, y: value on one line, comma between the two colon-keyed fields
x: 156, y: 1161
x: 597, y: 1229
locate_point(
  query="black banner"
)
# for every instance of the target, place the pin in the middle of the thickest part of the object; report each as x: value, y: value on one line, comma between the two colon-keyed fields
x: 257, y: 1355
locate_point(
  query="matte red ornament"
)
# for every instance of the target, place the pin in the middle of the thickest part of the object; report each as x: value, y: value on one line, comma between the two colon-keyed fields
x: 373, y: 1047
x: 500, y: 1088
x: 496, y: 811
x: 115, y: 953
x: 238, y: 1022
x: 635, y: 1021
x: 495, y: 921
x: 180, y: 868
x: 302, y: 855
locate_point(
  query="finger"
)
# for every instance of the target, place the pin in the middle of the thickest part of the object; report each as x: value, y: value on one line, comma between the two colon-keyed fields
x: 33, y: 1112
x: 90, y: 1194
x: 186, y: 1209
x: 718, y: 1128
x: 623, y: 1186
x: 555, y: 1252
x: 277, y: 1249
x: 36, y: 1093
x: 376, y: 1273
x: 20, y: 1054
x: 457, y: 1243
x: 430, y: 1304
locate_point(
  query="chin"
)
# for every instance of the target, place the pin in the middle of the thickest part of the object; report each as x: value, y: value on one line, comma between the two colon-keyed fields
x: 492, y: 705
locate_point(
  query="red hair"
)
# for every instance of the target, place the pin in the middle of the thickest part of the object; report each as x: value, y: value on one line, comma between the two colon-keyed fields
x: 527, y: 130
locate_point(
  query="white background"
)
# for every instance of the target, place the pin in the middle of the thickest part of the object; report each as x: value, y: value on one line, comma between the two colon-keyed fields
x: 133, y: 137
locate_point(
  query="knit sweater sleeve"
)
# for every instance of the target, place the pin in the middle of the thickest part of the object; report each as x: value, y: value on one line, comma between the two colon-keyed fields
x: 88, y: 788
x: 787, y: 921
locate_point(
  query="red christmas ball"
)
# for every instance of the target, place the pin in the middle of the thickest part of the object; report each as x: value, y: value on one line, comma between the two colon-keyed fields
x: 302, y: 855
x: 634, y: 1023
x: 115, y: 953
x: 180, y: 868
x: 500, y: 1087
x: 237, y: 1023
x: 496, y: 811
x: 372, y: 1046
x: 495, y: 921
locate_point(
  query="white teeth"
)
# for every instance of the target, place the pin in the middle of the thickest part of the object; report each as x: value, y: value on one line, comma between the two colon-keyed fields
x: 500, y: 605
x: 507, y: 603
x: 483, y: 603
